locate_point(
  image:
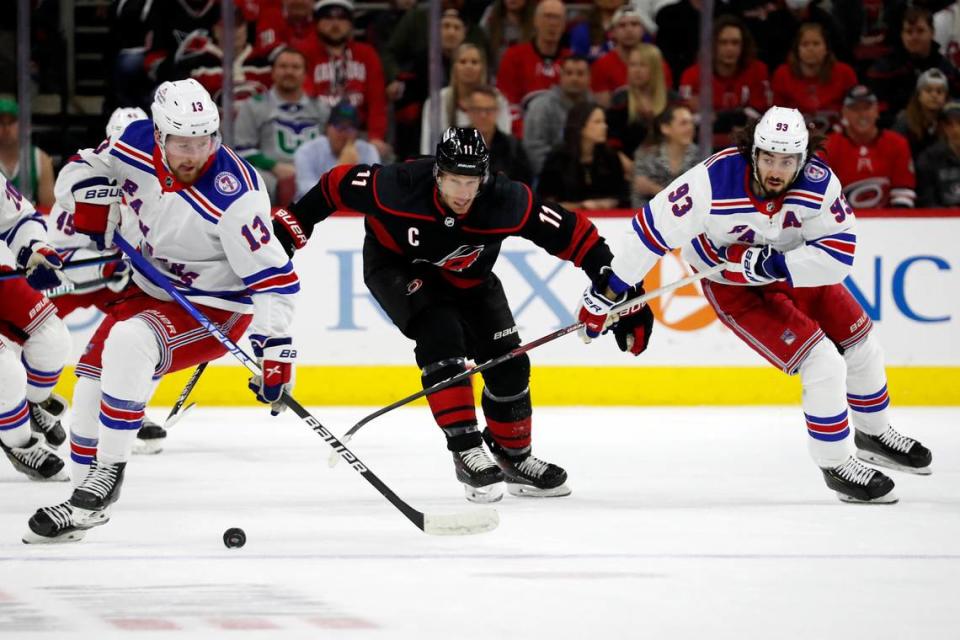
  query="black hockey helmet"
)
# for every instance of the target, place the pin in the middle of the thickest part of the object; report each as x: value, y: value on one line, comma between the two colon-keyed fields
x: 462, y: 151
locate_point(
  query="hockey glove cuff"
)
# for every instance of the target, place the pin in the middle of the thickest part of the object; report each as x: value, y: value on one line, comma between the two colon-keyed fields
x: 276, y: 356
x: 634, y: 325
x: 596, y: 302
x: 759, y: 265
x: 43, y: 265
x: 98, y: 221
x: 288, y: 231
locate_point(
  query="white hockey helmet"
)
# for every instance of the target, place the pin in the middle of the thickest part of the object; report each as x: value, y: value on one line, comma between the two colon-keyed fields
x: 121, y: 117
x: 184, y: 108
x: 782, y: 130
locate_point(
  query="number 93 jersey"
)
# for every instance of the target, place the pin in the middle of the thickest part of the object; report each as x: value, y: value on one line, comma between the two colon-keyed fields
x: 711, y: 207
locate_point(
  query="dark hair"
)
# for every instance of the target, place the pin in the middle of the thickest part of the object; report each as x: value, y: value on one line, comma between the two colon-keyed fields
x: 793, y: 58
x: 486, y: 90
x: 913, y: 15
x: 665, y: 117
x: 576, y: 120
x: 743, y: 139
x: 574, y: 57
x: 748, y: 48
x: 282, y: 50
x: 498, y: 20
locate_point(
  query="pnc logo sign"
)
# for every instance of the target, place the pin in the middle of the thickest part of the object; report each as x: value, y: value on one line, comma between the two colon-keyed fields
x: 684, y: 309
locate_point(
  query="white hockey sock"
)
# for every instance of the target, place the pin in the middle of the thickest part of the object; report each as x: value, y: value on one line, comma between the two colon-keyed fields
x: 44, y: 353
x: 867, y: 386
x: 84, y: 427
x: 130, y: 356
x: 824, y: 405
x: 14, y: 415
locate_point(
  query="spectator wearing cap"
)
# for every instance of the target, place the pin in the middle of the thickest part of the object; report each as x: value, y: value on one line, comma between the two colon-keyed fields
x: 812, y: 79
x: 873, y: 164
x: 506, y: 152
x: 40, y: 189
x: 339, y: 145
x: 469, y: 72
x: 346, y: 70
x: 894, y: 76
x: 290, y: 25
x: 271, y: 126
x: 532, y: 67
x: 740, y: 87
x: 200, y: 56
x: 609, y: 72
x: 938, y: 168
x: 920, y: 120
x: 547, y: 113
x: 592, y: 37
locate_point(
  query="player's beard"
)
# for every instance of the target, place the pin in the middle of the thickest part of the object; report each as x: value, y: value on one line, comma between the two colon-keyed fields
x: 331, y: 41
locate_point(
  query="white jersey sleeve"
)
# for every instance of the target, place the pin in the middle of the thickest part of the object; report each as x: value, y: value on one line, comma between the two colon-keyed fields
x: 246, y: 234
x: 826, y: 255
x: 91, y: 176
x: 20, y: 224
x: 671, y: 219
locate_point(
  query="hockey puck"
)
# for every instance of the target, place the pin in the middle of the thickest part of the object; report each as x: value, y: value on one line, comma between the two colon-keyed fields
x: 234, y: 538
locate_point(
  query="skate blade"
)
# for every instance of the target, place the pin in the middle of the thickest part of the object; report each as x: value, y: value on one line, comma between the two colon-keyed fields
x: 883, y: 461
x: 59, y: 476
x: 87, y: 519
x: 529, y: 491
x: 890, y: 498
x: 72, y: 536
x: 148, y: 447
x: 485, y: 494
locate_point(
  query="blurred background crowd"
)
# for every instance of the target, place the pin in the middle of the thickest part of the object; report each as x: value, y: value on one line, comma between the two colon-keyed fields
x: 595, y: 105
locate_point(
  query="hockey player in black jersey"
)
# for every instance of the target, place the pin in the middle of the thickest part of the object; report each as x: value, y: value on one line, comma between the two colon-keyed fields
x: 433, y: 233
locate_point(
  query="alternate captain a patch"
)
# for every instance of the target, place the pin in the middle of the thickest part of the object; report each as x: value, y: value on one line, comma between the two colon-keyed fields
x: 226, y: 183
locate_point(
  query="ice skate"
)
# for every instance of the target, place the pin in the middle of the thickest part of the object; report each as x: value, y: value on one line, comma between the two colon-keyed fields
x: 36, y: 461
x: 894, y: 451
x: 99, y: 490
x: 855, y: 482
x: 45, y: 419
x: 56, y: 524
x: 150, y: 438
x: 527, y: 475
x: 482, y: 479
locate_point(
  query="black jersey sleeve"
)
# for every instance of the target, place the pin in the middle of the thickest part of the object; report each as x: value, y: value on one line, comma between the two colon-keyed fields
x: 343, y: 188
x: 568, y: 235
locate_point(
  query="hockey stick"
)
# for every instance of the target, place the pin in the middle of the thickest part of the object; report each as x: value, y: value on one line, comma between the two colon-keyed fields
x: 476, y: 521
x: 73, y: 264
x: 175, y: 414
x: 550, y: 337
x: 70, y: 287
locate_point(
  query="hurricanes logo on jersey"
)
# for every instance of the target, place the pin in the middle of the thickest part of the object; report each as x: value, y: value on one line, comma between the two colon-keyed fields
x: 461, y: 259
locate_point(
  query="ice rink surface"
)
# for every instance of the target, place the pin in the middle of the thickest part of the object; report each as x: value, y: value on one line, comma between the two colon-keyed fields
x: 684, y: 523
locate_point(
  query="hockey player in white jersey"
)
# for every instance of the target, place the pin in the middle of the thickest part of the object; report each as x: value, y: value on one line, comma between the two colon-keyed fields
x: 205, y: 221
x: 776, y: 216
x: 113, y: 276
x: 30, y: 428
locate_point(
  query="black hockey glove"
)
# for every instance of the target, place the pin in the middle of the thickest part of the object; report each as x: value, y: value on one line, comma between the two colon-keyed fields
x: 634, y: 325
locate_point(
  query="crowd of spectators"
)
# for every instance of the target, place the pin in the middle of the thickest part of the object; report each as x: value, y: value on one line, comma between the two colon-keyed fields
x: 594, y: 106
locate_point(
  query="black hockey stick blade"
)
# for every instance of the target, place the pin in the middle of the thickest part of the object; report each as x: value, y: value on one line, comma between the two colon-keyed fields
x: 74, y: 264
x: 175, y: 413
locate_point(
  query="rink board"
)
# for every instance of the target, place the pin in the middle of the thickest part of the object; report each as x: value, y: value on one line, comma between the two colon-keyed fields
x: 905, y: 276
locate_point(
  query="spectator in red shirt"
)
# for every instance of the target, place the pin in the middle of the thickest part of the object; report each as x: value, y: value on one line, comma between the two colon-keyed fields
x: 873, y: 164
x: 344, y: 69
x: 609, y: 72
x: 292, y: 25
x: 812, y: 79
x: 529, y: 68
x: 740, y: 85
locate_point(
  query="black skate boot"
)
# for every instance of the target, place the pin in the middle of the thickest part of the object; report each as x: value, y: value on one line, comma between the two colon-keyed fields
x: 96, y: 493
x: 45, y: 419
x: 482, y: 479
x: 36, y: 461
x: 527, y: 475
x: 855, y: 482
x: 54, y: 524
x: 894, y: 451
x: 150, y: 438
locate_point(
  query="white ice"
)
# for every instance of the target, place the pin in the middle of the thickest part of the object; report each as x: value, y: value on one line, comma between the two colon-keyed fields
x: 683, y: 523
